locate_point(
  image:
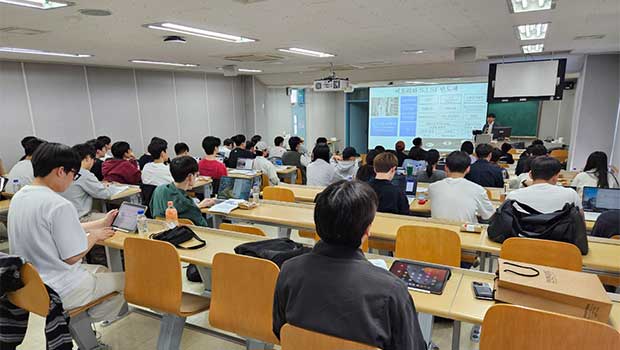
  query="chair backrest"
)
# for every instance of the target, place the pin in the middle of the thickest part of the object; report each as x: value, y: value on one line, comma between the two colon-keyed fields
x: 489, y: 194
x: 33, y: 296
x: 153, y: 274
x: 250, y: 229
x: 511, y: 327
x: 299, y: 180
x: 542, y: 252
x: 430, y: 244
x: 281, y: 194
x: 242, y: 296
x: 264, y: 181
x: 559, y: 154
x: 295, y: 338
x: 364, y: 244
x: 615, y: 237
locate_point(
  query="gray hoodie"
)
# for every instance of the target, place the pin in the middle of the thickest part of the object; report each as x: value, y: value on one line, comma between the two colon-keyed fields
x: 345, y: 169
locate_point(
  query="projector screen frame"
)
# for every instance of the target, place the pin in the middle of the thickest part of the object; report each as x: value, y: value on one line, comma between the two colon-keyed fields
x: 559, y: 88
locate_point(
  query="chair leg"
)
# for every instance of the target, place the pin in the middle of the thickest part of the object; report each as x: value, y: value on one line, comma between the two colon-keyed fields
x: 205, y: 275
x: 82, y: 332
x: 456, y: 335
x: 170, y: 332
x: 284, y: 232
x: 426, y: 325
x: 253, y: 344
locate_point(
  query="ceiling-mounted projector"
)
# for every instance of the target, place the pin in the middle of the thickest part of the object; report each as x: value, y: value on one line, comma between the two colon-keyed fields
x: 331, y: 83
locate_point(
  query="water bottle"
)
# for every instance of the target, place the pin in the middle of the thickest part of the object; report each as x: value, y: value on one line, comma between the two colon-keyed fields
x: 255, y: 194
x: 16, y: 185
x: 143, y: 227
x: 172, y: 217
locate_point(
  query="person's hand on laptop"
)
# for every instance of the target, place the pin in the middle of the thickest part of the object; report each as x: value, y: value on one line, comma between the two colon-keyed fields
x: 206, y: 203
x: 101, y: 234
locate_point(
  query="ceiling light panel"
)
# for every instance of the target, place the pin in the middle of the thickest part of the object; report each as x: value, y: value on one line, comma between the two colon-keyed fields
x: 534, y: 48
x: 38, y: 4
x: 305, y: 52
x: 536, y: 31
x: 518, y: 6
x: 162, y: 63
x: 203, y: 33
x: 246, y: 70
x: 41, y: 52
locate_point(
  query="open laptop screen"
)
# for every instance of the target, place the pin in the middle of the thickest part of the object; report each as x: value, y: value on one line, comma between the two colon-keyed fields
x: 600, y: 199
x: 234, y: 188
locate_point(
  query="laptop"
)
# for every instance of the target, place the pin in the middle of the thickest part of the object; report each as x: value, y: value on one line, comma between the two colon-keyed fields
x: 245, y: 163
x: 127, y: 218
x: 407, y: 184
x: 597, y: 200
x: 234, y: 188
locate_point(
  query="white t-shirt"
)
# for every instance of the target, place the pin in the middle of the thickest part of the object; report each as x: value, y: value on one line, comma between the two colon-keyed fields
x: 44, y: 229
x: 545, y: 198
x: 262, y: 164
x: 277, y: 151
x: 320, y: 173
x: 21, y: 171
x: 589, y: 179
x: 459, y: 199
x: 156, y: 174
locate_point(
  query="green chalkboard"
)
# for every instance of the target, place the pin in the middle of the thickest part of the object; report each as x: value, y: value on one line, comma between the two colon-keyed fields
x: 521, y: 116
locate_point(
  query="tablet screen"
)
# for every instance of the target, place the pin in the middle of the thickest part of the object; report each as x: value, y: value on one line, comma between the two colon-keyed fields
x: 419, y: 276
x: 126, y: 220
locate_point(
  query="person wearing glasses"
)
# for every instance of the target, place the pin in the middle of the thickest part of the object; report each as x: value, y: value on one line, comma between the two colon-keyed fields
x: 86, y: 186
x: 44, y: 229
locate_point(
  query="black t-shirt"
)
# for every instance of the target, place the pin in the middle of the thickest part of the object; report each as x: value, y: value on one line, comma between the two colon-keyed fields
x: 237, y: 153
x: 391, y: 199
x: 144, y: 160
x: 96, y: 169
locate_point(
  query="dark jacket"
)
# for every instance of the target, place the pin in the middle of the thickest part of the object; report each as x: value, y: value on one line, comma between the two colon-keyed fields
x: 96, y: 169
x: 507, y: 158
x: 121, y: 170
x: 391, y: 199
x: 334, y: 290
x: 365, y: 173
x: 485, y: 174
x: 144, y: 160
x: 417, y: 153
x: 607, y: 224
x: 237, y: 153
x: 294, y: 158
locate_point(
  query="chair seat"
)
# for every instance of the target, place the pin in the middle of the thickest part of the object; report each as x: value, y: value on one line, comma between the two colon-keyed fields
x: 78, y: 310
x: 192, y: 304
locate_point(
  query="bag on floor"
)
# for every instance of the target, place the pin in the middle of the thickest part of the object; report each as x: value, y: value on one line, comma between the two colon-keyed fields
x: 514, y: 219
x: 192, y: 273
x: 277, y: 250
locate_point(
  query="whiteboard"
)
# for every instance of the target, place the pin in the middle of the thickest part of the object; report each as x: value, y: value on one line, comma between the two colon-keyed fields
x: 526, y: 79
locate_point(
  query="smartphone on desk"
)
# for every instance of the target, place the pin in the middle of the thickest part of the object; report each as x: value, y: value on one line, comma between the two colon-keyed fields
x: 482, y: 290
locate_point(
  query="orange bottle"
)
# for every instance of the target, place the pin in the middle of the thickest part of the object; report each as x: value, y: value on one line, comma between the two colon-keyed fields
x: 172, y: 217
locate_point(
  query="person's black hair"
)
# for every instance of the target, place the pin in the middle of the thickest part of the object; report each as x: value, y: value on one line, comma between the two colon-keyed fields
x: 181, y: 167
x: 238, y: 139
x: 496, y: 154
x: 119, y: 149
x: 417, y: 142
x: 51, y: 155
x: 597, y: 161
x: 379, y: 148
x: 321, y: 140
x: 106, y: 140
x: 491, y: 115
x: 458, y: 162
x: 538, y: 150
x: 343, y: 212
x: 467, y: 147
x: 370, y: 156
x: 249, y: 145
x: 85, y: 150
x: 31, y: 145
x: 506, y: 147
x: 26, y: 139
x: 256, y: 139
x: 156, y: 147
x: 181, y: 147
x: 538, y: 142
x: 293, y: 142
x: 278, y: 141
x: 321, y: 151
x: 96, y: 144
x: 158, y: 139
x: 544, y: 167
x: 532, y: 152
x: 209, y: 143
x: 228, y: 142
x: 432, y: 157
x: 483, y: 150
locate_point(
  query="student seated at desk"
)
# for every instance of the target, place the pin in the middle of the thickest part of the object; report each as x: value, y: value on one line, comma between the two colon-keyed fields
x: 391, y: 198
x: 334, y: 290
x: 123, y: 167
x: 320, y: 172
x: 277, y: 150
x: 523, y: 159
x: 456, y: 198
x: 99, y: 155
x: 482, y: 171
x: 346, y: 165
x: 157, y: 172
x: 506, y: 157
x: 86, y: 187
x: 210, y: 165
x: 596, y: 173
x: 496, y: 155
x: 44, y: 229
x: 22, y: 171
x: 417, y: 152
x: 468, y: 147
x: 399, y: 151
x: 228, y: 147
x: 184, y: 172
x: 524, y: 179
x: 181, y: 149
x: 367, y: 171
x: 607, y: 224
x: 240, y: 151
x: 431, y: 174
x: 262, y: 164
x: 148, y: 157
x: 296, y: 157
x: 107, y: 142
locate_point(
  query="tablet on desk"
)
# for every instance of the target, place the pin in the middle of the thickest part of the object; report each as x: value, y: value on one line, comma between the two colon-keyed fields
x: 421, y: 277
x: 127, y: 218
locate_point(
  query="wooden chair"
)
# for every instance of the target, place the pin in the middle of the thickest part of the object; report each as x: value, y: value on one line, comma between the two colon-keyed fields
x: 299, y: 180
x: 430, y: 244
x: 295, y: 338
x: 542, y: 252
x: 273, y: 193
x: 307, y: 234
x: 364, y: 245
x: 513, y: 151
x: 560, y: 154
x: 264, y: 181
x: 153, y: 280
x: 33, y: 297
x: 511, y: 327
x: 489, y: 194
x: 182, y: 221
x: 249, y: 229
x: 242, y: 297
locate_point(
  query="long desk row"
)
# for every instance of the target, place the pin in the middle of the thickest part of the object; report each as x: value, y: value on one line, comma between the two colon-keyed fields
x: 604, y: 255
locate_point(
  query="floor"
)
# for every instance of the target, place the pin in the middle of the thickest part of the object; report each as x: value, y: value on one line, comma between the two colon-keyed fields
x: 139, y: 331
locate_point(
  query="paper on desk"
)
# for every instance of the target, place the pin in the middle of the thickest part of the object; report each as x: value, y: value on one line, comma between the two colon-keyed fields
x: 379, y: 263
x: 422, y: 190
x: 116, y: 189
x: 226, y: 207
x: 243, y: 172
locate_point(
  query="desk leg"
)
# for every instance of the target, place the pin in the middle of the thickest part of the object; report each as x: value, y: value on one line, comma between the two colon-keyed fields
x: 426, y: 325
x: 482, y: 256
x: 170, y: 332
x: 253, y: 344
x: 104, y: 206
x: 115, y: 263
x: 217, y: 221
x: 293, y: 177
x: 284, y: 232
x: 208, y: 190
x: 456, y: 335
x: 205, y: 275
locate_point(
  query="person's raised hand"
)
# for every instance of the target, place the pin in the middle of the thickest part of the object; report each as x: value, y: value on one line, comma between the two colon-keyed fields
x: 109, y: 218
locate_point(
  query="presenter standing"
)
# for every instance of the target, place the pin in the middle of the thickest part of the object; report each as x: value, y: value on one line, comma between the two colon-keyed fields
x: 489, y: 127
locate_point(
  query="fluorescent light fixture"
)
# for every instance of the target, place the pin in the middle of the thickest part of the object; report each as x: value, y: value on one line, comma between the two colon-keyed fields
x: 38, y: 4
x: 536, y: 31
x: 245, y: 70
x: 420, y: 82
x: 306, y: 52
x: 518, y: 6
x: 165, y: 63
x: 534, y: 48
x: 407, y: 52
x: 41, y: 52
x: 178, y: 28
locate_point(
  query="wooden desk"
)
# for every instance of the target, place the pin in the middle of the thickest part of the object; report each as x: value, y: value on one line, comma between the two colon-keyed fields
x: 7, y: 195
x: 287, y: 172
x: 303, y: 193
x: 4, y: 205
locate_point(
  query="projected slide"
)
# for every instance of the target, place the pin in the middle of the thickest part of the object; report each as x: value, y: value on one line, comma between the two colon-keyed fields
x: 442, y: 115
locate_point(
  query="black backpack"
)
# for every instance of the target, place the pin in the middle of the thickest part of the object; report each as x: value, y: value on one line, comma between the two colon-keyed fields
x: 565, y: 225
x: 277, y: 250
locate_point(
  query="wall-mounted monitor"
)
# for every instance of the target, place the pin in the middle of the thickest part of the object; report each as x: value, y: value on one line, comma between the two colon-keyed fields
x: 526, y: 81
